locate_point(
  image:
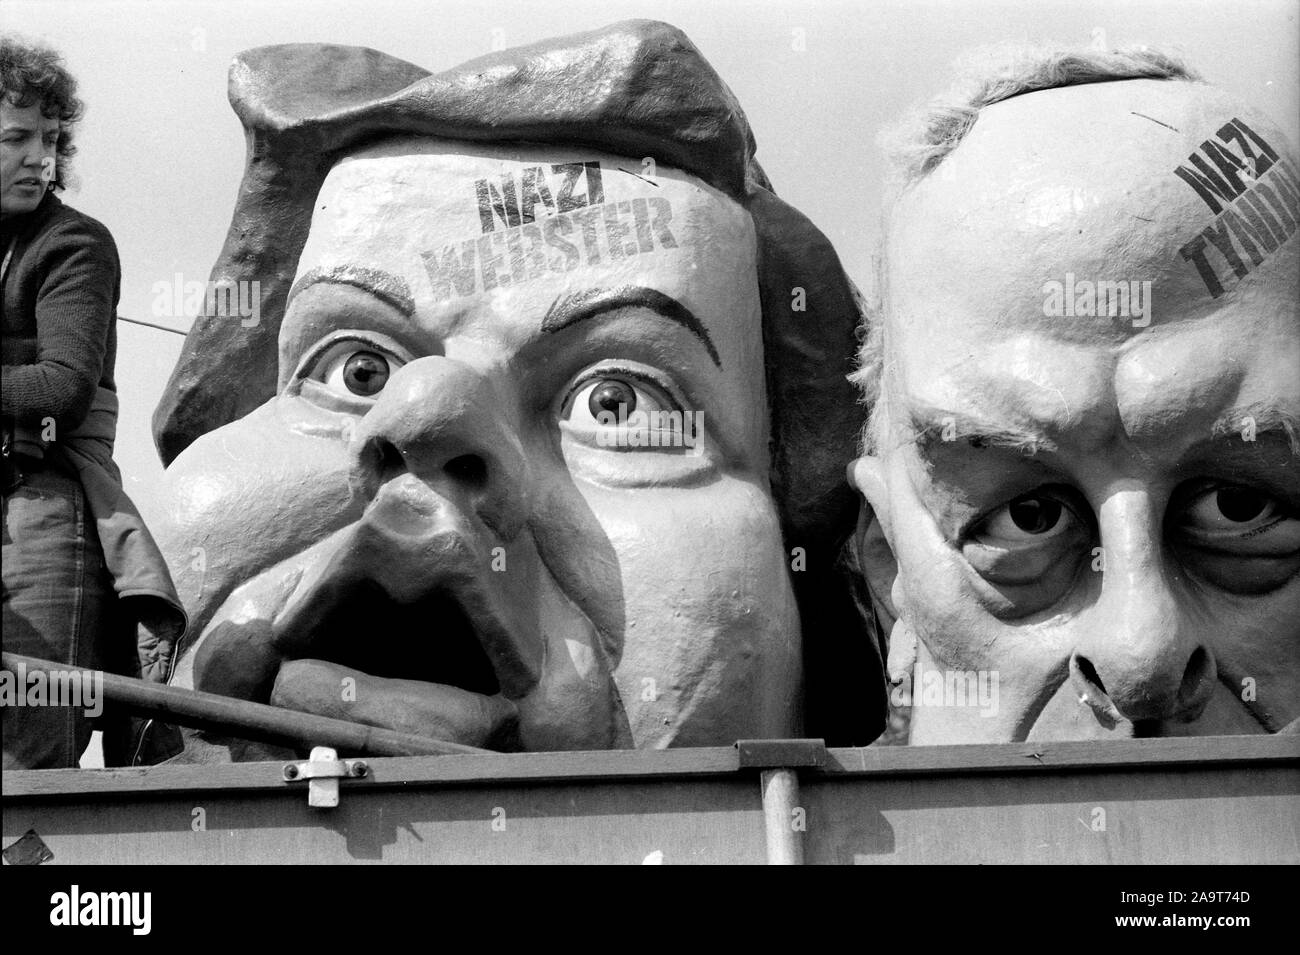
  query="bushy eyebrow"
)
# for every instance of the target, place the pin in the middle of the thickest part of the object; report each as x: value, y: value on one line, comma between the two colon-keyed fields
x: 929, y: 425
x: 1262, y: 417
x: 582, y: 306
x: 384, y: 286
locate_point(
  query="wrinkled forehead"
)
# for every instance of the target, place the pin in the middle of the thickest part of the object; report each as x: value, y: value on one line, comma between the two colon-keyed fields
x: 1166, y: 181
x: 458, y: 220
x: 1109, y: 242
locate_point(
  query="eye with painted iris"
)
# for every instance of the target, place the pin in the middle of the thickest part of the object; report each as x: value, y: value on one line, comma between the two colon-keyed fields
x: 354, y: 367
x: 611, y: 396
x: 619, y: 398
x: 626, y: 407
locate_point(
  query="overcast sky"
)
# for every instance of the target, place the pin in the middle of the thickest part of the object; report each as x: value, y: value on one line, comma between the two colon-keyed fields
x: 162, y: 153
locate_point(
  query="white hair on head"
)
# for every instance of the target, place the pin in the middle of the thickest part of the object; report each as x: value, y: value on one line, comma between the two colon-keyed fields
x: 988, y: 75
x: 925, y: 136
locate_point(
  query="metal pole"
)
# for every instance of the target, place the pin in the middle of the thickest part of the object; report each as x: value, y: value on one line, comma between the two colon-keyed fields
x: 161, y: 328
x: 780, y: 802
x: 244, y: 718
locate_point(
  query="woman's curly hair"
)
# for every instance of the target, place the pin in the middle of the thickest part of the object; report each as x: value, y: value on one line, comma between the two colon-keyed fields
x: 34, y: 75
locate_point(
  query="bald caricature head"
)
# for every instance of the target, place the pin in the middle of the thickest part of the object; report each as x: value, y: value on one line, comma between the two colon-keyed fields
x: 1082, y: 458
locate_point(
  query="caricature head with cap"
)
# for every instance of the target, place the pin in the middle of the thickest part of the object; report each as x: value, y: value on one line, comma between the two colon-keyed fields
x: 1081, y: 465
x: 533, y: 445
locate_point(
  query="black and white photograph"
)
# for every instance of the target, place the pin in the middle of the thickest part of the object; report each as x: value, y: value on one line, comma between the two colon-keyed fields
x: 652, y: 432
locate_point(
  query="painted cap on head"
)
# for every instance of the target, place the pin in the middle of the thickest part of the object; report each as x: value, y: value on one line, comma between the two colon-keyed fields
x: 637, y: 88
x: 1168, y: 179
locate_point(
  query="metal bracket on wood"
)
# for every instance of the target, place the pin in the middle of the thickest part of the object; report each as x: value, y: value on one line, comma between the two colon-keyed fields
x: 29, y: 850
x: 322, y: 773
x: 781, y: 753
x: 785, y: 821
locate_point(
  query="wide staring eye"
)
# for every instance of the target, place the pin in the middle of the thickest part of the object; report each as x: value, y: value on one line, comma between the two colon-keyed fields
x: 624, y: 423
x: 354, y: 367
x: 619, y: 400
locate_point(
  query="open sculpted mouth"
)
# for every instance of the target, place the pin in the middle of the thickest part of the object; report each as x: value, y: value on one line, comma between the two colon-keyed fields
x: 394, y: 621
x: 419, y: 668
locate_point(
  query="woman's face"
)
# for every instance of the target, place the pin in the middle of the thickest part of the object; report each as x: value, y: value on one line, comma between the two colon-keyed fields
x: 27, y: 143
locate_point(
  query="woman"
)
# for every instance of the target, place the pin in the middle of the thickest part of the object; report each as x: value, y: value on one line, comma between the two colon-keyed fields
x: 63, y: 498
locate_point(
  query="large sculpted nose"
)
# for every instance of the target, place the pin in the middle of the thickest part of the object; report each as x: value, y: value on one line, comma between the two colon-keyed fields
x: 448, y: 426
x: 1143, y: 658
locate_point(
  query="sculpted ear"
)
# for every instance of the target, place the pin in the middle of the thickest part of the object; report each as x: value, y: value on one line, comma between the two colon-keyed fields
x: 876, y: 562
x: 874, y: 555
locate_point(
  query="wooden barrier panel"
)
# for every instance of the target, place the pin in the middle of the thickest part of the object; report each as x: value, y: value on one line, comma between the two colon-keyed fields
x: 1208, y: 800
